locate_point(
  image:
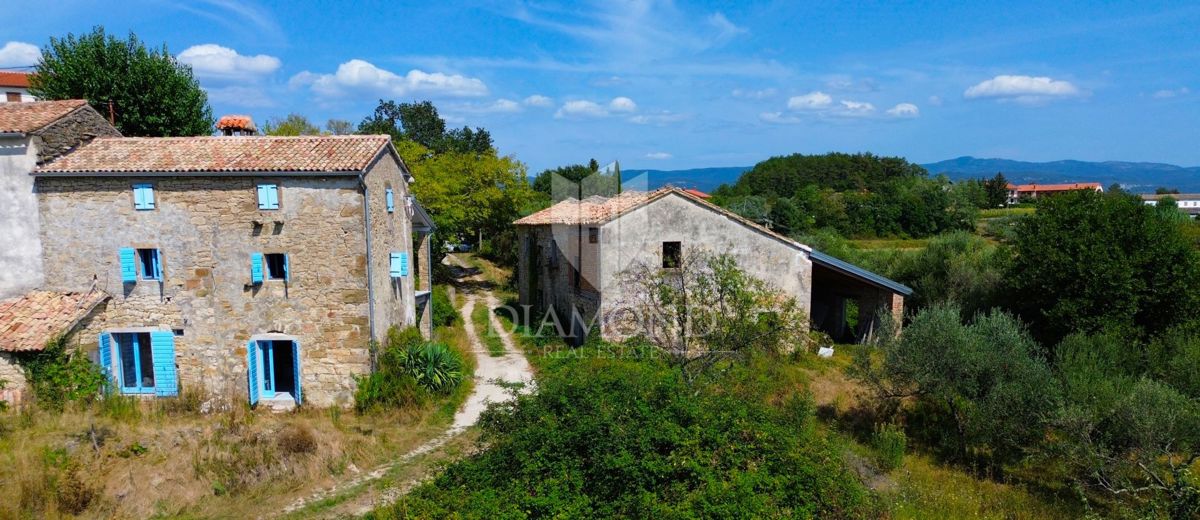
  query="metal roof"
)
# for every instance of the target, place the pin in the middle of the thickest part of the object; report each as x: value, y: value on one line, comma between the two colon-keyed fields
x: 860, y: 273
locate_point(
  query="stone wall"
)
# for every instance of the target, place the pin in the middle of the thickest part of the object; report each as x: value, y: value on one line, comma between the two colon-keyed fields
x: 71, y: 131
x: 637, y: 238
x: 206, y: 228
x: 390, y: 232
x: 13, y: 378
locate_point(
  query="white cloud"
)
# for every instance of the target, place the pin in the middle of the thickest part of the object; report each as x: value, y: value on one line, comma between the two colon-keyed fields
x: 935, y: 101
x: 1023, y: 89
x: 658, y: 156
x: 754, y: 94
x: 499, y: 106
x: 362, y: 77
x: 214, y: 61
x: 538, y: 100
x: 726, y: 29
x: 19, y: 54
x: 622, y: 104
x: 904, y: 110
x: 658, y: 119
x: 580, y: 108
x: 856, y: 108
x: 810, y: 101
x: 1167, y: 93
x: 779, y: 118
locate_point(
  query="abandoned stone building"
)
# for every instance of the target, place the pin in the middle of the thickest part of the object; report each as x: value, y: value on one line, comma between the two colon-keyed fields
x: 242, y: 267
x: 31, y: 134
x: 571, y: 256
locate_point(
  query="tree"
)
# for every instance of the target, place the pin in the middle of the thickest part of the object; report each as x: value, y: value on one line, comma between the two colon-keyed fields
x: 706, y: 310
x: 957, y: 267
x: 420, y: 123
x: 1088, y: 262
x: 1166, y: 191
x: 292, y: 125
x: 339, y: 127
x: 787, y: 218
x: 996, y: 191
x: 152, y: 94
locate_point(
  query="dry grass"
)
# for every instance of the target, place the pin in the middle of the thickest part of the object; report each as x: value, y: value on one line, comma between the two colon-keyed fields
x: 130, y: 458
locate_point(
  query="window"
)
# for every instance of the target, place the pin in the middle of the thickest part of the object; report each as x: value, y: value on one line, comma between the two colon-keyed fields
x: 391, y: 200
x: 150, y: 263
x: 672, y: 255
x: 140, y: 362
x: 593, y: 235
x: 12, y: 97
x: 143, y: 196
x: 268, y: 196
x: 137, y: 362
x: 277, y: 266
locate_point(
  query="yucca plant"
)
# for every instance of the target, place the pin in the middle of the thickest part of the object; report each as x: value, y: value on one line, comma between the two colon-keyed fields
x: 434, y: 366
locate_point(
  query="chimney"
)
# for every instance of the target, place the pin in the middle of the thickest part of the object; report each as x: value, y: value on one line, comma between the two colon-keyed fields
x: 236, y: 125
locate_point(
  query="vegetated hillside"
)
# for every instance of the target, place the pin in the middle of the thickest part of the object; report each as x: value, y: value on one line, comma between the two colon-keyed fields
x: 1134, y: 176
x: 703, y: 179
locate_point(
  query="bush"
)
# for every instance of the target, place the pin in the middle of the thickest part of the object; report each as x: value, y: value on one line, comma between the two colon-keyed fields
x: 297, y: 439
x: 409, y: 369
x: 890, y: 443
x: 58, y: 377
x: 631, y: 439
x: 444, y: 313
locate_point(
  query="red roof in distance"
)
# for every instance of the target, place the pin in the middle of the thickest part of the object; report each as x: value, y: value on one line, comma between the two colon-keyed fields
x: 14, y: 79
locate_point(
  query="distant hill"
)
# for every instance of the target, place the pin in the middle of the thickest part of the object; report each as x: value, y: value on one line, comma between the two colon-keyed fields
x: 703, y: 179
x: 1134, y: 176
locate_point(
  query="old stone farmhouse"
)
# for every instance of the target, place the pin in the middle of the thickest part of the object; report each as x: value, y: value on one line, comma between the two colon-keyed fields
x: 571, y: 254
x: 32, y: 134
x: 241, y: 267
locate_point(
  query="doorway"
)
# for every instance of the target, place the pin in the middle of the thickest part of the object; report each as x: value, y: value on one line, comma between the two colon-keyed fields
x: 278, y: 369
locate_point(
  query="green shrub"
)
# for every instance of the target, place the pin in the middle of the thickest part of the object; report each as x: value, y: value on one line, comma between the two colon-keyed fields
x: 890, y: 443
x: 407, y: 371
x: 434, y: 366
x: 58, y: 377
x: 615, y: 438
x: 444, y: 313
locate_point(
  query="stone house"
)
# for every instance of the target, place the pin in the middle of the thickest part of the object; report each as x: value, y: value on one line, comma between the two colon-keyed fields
x: 571, y: 255
x: 28, y: 322
x: 256, y: 268
x: 32, y: 134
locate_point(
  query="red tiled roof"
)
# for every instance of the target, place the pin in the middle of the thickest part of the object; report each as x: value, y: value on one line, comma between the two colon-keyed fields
x: 14, y: 79
x: 598, y: 210
x: 28, y: 321
x: 327, y: 153
x: 23, y: 118
x: 1057, y: 187
x: 698, y: 193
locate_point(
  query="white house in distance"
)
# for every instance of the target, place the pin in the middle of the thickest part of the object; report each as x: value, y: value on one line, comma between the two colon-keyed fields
x: 1188, y: 202
x: 15, y: 87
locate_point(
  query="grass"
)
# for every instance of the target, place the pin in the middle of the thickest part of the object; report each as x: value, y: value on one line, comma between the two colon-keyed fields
x: 483, y: 326
x: 925, y: 489
x: 1005, y: 212
x: 890, y: 243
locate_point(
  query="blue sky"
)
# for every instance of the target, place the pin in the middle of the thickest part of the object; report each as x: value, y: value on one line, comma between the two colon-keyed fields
x: 680, y: 85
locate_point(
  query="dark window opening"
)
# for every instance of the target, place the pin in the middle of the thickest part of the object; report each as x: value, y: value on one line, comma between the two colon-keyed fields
x: 277, y: 266
x: 151, y: 264
x: 593, y: 235
x: 13, y: 97
x: 672, y: 255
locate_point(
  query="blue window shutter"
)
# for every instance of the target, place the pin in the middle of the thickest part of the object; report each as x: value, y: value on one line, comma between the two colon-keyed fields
x: 139, y: 197
x: 256, y: 268
x: 296, y: 364
x: 262, y: 196
x: 106, y: 356
x: 287, y: 268
x: 252, y: 371
x: 272, y: 196
x: 128, y: 265
x: 391, y: 201
x: 403, y: 264
x: 162, y: 348
x: 158, y: 271
x: 395, y: 265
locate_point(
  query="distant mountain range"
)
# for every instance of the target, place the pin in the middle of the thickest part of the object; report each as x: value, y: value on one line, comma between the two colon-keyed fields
x: 1134, y: 176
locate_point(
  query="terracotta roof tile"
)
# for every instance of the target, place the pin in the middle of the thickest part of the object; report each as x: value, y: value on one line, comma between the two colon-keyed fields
x: 23, y: 118
x: 334, y: 154
x: 14, y: 79
x: 28, y: 321
x: 1057, y: 187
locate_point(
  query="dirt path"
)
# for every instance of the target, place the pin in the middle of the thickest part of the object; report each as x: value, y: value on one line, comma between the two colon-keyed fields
x: 493, y: 379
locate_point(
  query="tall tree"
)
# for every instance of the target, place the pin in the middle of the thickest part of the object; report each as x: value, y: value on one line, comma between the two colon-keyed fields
x: 420, y: 123
x: 996, y: 190
x: 152, y: 94
x: 339, y: 127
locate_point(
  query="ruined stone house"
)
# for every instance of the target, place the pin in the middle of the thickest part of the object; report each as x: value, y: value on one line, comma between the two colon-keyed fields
x: 571, y: 255
x: 31, y: 134
x: 243, y: 267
